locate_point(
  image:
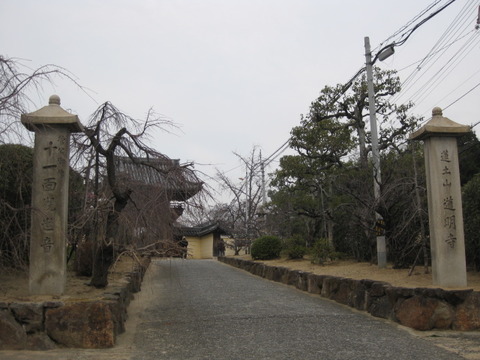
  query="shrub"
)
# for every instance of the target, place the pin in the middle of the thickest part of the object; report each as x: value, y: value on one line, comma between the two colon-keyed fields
x: 16, y: 170
x: 323, y: 251
x: 266, y: 248
x: 294, y: 248
x: 296, y: 252
x: 471, y: 214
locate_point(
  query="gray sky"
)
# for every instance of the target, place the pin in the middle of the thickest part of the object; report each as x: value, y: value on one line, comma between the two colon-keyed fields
x: 234, y: 74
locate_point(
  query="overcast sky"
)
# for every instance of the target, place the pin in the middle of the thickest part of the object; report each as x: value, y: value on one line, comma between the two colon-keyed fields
x: 232, y: 74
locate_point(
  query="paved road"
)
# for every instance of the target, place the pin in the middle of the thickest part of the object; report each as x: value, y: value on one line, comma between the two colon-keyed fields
x: 204, y: 309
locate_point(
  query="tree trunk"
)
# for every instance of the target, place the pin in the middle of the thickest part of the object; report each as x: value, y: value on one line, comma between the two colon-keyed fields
x: 105, y: 253
x: 420, y: 214
x: 104, y: 258
x: 362, y: 143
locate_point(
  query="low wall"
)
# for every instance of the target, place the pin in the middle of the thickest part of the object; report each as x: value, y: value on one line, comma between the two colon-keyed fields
x: 77, y: 324
x: 417, y: 308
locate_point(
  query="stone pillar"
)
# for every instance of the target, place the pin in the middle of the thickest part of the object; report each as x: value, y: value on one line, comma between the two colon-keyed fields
x: 445, y: 214
x: 52, y: 126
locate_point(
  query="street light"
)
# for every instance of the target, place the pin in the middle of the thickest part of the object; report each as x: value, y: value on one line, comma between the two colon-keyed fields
x: 386, y: 53
x: 377, y: 175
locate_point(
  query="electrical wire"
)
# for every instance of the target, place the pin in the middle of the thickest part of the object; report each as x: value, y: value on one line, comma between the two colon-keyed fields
x: 280, y: 153
x: 459, y: 86
x: 276, y: 153
x: 461, y: 97
x: 434, y: 55
x: 405, y: 37
x: 404, y: 33
x: 444, y: 71
x: 404, y: 27
x: 286, y: 144
x: 459, y: 29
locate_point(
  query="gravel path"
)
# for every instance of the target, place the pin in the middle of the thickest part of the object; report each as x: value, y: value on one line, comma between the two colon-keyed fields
x: 203, y: 309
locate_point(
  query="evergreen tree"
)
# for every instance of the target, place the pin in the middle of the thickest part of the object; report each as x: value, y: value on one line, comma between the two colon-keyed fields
x: 330, y: 180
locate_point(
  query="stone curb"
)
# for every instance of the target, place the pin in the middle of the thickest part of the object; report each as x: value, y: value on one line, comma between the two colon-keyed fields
x: 91, y: 324
x: 417, y: 308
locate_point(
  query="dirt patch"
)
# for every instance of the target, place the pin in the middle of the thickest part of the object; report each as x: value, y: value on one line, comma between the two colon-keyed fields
x: 14, y: 285
x: 360, y: 270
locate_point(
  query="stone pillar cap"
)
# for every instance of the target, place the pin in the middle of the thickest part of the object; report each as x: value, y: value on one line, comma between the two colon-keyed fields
x: 52, y: 114
x: 439, y: 125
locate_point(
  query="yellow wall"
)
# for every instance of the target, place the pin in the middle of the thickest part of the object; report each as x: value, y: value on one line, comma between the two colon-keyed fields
x: 229, y: 250
x: 200, y: 247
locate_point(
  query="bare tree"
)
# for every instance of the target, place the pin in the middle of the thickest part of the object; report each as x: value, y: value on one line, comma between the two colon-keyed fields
x: 244, y: 208
x: 17, y: 84
x: 112, y: 135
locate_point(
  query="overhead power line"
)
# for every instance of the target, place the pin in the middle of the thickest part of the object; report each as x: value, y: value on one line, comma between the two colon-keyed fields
x: 445, y: 70
x: 438, y: 50
x: 403, y: 38
x: 277, y: 153
x: 433, y: 69
x: 429, y: 17
x: 430, y: 54
x: 404, y: 27
x: 461, y: 97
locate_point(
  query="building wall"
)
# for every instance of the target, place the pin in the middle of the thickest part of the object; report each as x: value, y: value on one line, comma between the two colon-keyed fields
x: 149, y: 219
x: 200, y: 247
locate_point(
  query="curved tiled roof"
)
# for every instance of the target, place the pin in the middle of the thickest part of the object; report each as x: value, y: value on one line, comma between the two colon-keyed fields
x: 178, y: 181
x: 200, y: 230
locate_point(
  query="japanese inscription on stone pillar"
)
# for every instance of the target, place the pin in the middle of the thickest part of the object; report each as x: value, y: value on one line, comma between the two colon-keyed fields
x: 450, y: 233
x: 50, y: 208
x: 447, y: 243
x: 52, y: 178
x: 52, y: 126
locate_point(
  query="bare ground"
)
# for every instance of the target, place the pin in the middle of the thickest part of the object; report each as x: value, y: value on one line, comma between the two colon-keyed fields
x: 14, y: 285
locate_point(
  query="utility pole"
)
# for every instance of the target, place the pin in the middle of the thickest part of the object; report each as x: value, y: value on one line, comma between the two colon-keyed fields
x: 377, y: 176
x: 478, y: 20
x: 247, y: 201
x: 264, y: 190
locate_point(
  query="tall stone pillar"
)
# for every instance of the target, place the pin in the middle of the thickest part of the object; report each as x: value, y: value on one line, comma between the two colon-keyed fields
x: 52, y: 126
x: 445, y: 214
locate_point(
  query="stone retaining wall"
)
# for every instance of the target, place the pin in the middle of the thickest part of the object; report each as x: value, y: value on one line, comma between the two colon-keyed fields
x: 79, y: 324
x: 417, y: 308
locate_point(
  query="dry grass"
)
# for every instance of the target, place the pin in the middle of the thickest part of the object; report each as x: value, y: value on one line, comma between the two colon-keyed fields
x: 360, y: 270
x: 14, y: 285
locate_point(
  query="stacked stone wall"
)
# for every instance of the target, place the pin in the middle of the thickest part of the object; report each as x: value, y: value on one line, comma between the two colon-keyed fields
x: 77, y: 324
x: 417, y: 308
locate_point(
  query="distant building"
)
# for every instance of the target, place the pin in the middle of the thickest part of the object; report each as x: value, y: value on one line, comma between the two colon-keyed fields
x: 203, y: 241
x: 159, y: 186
